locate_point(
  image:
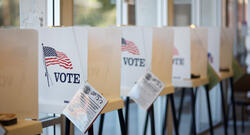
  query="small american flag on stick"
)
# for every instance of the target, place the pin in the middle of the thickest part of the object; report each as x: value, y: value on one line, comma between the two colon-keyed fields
x: 130, y: 47
x: 53, y: 57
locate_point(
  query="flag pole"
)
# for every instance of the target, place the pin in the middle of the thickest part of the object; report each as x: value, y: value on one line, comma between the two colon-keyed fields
x: 46, y: 70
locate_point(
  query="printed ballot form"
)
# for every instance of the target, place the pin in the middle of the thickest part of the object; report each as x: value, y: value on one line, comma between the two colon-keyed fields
x: 146, y: 90
x: 85, y: 106
x: 62, y: 66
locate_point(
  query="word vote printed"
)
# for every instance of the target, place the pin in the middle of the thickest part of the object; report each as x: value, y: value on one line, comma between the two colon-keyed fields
x: 137, y: 62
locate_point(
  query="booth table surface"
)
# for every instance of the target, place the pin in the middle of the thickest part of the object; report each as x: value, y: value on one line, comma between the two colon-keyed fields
x: 24, y: 127
x: 190, y: 83
x: 113, y: 104
x: 225, y: 75
x: 169, y: 89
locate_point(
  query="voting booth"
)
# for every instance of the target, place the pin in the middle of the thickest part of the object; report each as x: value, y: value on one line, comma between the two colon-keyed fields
x: 136, y: 47
x: 62, y: 66
x: 226, y: 50
x: 220, y: 49
x: 214, y: 47
x: 189, y: 53
x: 162, y: 55
x: 104, y: 64
x: 19, y: 72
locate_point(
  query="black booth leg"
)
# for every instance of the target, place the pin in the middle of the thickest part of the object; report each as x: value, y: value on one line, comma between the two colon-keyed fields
x: 242, y: 119
x: 122, y: 122
x: 171, y: 97
x: 233, y: 104
x: 152, y: 118
x: 67, y: 126
x: 150, y: 113
x: 91, y: 130
x: 180, y: 107
x: 164, y: 125
x: 101, y: 124
x: 193, y: 125
x: 127, y: 114
x: 54, y: 126
x: 209, y: 111
x: 223, y: 109
x: 146, y: 123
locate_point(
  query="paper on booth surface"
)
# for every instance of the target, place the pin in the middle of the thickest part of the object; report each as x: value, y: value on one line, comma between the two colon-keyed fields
x: 64, y: 52
x: 146, y: 90
x: 182, y: 53
x: 214, y: 47
x: 85, y: 106
x: 136, y: 57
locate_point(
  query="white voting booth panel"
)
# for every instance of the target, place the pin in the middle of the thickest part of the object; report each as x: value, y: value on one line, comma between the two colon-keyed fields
x: 62, y: 66
x: 182, y: 53
x: 104, y: 61
x: 226, y: 50
x: 214, y: 47
x: 136, y: 46
x: 220, y: 48
x: 189, y: 53
x: 162, y: 54
x: 19, y: 72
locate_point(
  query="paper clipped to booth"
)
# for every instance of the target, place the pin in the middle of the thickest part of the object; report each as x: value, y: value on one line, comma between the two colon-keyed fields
x: 84, y: 107
x: 146, y: 90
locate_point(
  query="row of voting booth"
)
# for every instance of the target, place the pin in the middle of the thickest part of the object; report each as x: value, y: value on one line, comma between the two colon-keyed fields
x: 42, y: 69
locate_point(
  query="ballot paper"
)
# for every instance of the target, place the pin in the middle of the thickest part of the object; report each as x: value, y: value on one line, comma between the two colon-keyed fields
x: 85, y: 106
x: 146, y: 90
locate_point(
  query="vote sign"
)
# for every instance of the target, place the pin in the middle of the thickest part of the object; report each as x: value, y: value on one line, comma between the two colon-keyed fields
x: 61, y: 68
x: 136, y: 47
x: 182, y: 53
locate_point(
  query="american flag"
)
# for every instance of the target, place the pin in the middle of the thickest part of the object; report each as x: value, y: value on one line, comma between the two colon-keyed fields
x: 210, y: 57
x: 53, y: 57
x: 175, y: 52
x: 130, y: 47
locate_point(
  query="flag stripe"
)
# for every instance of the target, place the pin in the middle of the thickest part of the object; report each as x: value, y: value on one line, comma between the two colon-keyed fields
x: 130, y: 47
x: 53, y: 57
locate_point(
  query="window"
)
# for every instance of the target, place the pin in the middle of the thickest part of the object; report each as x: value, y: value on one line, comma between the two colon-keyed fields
x: 9, y: 12
x: 94, y: 12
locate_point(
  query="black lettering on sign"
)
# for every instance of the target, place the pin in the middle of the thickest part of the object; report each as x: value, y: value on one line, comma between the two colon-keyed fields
x: 63, y: 77
x: 137, y: 62
x: 178, y: 61
x: 56, y: 76
x: 76, y: 78
x: 67, y: 77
